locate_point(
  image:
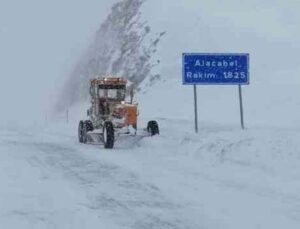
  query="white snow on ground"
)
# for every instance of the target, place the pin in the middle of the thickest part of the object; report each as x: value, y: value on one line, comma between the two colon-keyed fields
x: 222, y: 178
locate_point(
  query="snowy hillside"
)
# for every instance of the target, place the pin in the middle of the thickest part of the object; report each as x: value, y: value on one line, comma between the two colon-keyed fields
x: 221, y: 178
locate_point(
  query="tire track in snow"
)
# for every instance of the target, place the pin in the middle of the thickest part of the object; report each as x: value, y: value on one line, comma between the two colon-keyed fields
x: 114, y: 192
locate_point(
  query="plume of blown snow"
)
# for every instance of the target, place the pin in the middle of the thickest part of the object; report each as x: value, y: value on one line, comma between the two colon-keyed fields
x: 121, y: 47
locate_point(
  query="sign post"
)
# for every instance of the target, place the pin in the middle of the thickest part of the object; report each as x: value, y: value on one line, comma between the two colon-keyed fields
x: 216, y: 69
x: 196, y: 108
x: 241, y: 107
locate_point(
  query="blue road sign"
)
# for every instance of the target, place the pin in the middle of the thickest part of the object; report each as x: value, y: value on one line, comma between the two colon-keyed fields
x: 214, y: 69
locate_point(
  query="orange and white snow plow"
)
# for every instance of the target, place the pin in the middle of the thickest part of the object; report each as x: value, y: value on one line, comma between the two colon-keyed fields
x: 110, y: 115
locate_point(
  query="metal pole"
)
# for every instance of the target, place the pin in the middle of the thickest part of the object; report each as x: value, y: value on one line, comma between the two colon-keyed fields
x: 196, y: 108
x: 67, y: 116
x: 241, y: 107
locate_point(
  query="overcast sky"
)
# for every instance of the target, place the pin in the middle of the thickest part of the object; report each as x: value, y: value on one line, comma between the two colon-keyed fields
x: 267, y: 29
x: 39, y: 42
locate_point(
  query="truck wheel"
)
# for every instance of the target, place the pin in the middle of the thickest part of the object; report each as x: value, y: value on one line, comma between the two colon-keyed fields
x: 153, y: 128
x: 80, y: 129
x: 108, y: 135
x: 89, y: 125
x: 84, y: 133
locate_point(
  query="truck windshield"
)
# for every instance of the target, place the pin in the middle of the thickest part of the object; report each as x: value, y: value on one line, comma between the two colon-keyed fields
x: 115, y: 94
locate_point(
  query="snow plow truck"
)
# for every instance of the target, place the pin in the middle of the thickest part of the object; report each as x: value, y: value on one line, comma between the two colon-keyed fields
x: 109, y: 115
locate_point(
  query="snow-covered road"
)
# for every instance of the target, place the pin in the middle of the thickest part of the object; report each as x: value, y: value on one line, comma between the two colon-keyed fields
x: 221, y: 178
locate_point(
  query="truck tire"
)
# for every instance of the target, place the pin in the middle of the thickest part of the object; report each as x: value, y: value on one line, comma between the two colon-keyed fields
x: 153, y: 128
x: 89, y: 125
x: 108, y: 135
x: 80, y: 133
x: 84, y: 133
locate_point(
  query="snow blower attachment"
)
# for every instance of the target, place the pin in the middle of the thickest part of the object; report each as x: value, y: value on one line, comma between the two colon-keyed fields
x: 109, y: 115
